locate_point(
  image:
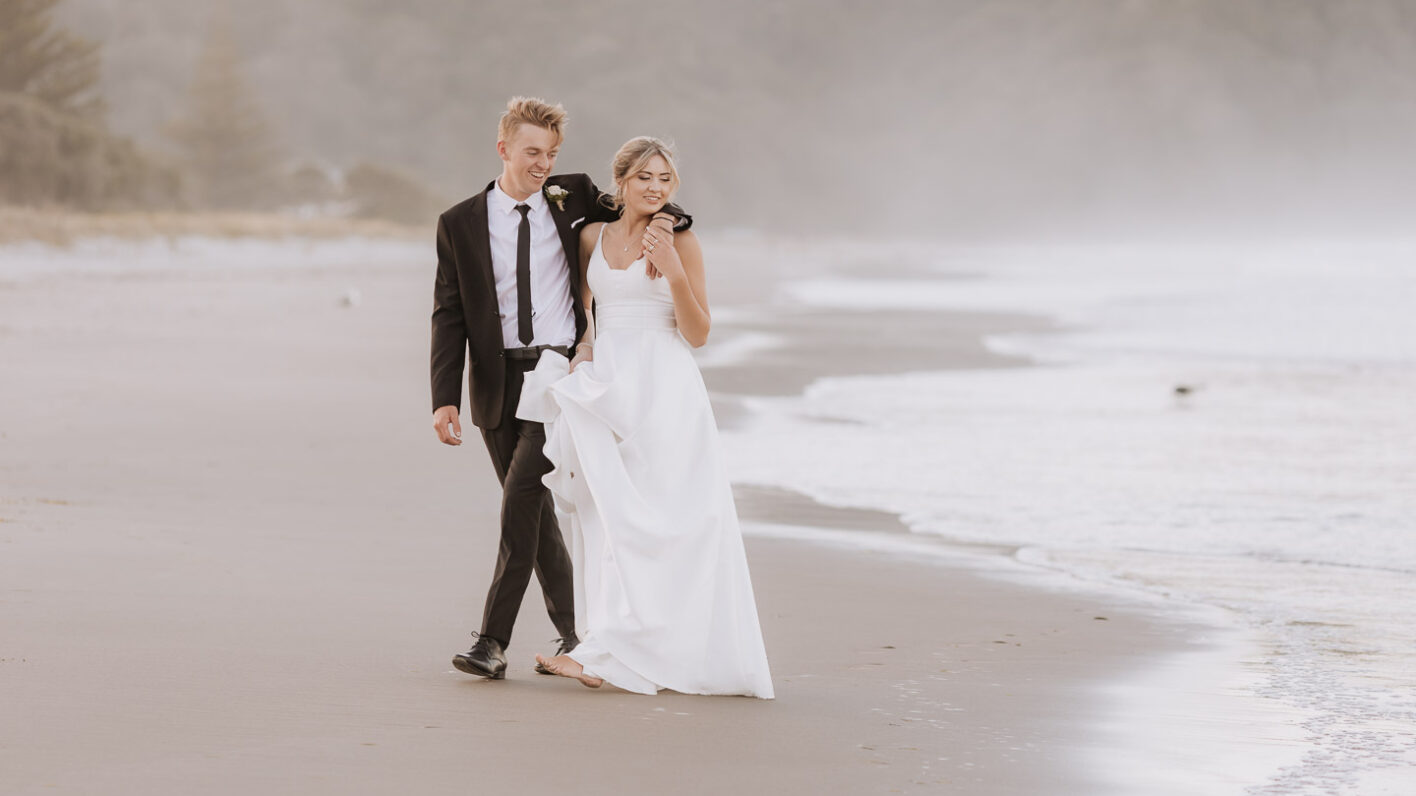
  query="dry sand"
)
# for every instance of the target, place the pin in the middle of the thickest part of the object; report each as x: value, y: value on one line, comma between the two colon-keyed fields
x: 233, y: 559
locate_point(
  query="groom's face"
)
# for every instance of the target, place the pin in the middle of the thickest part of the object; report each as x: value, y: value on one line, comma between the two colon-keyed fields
x: 527, y: 159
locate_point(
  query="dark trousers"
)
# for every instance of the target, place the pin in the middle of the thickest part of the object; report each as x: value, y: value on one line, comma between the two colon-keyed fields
x: 530, y: 537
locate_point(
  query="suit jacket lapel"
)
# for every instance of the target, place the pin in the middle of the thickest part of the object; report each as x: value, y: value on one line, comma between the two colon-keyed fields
x: 482, y: 244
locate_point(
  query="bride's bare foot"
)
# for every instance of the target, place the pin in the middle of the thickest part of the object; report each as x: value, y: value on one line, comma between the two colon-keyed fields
x: 565, y: 666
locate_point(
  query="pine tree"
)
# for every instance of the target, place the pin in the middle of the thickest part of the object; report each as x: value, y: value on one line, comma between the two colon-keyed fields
x: 53, y: 66
x: 223, y: 133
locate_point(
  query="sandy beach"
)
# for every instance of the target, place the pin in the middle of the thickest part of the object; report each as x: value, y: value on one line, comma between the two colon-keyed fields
x: 233, y: 559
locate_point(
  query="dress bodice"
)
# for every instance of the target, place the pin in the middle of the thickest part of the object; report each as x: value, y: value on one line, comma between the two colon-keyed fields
x: 626, y: 298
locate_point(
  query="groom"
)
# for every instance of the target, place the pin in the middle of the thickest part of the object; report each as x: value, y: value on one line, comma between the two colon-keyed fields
x: 508, y: 287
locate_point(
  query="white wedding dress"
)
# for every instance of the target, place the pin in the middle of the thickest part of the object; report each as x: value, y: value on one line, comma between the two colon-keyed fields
x: 662, y: 593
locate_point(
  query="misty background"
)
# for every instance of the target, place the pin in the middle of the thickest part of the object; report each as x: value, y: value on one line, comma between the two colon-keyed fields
x: 998, y: 119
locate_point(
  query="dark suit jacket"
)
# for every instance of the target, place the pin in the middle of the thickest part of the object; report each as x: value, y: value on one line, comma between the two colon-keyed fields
x: 465, y: 312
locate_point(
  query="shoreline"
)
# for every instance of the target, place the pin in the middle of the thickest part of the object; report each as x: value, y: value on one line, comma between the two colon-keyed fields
x: 1162, y: 710
x: 1238, y: 656
x: 1099, y: 463
x: 224, y: 487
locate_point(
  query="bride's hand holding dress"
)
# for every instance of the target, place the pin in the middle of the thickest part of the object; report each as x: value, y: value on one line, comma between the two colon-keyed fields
x: 585, y: 352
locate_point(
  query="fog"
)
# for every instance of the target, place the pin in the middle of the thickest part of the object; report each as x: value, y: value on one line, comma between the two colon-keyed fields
x: 999, y: 119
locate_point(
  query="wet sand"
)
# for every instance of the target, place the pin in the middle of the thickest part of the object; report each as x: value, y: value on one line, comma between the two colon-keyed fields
x: 233, y: 559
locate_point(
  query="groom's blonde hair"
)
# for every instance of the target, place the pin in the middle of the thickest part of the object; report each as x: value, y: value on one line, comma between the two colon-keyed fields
x: 531, y: 110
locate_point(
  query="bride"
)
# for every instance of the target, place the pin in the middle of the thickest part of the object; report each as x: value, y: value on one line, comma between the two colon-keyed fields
x: 662, y: 593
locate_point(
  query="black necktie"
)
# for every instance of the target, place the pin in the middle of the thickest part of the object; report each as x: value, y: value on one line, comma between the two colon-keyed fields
x: 523, y: 277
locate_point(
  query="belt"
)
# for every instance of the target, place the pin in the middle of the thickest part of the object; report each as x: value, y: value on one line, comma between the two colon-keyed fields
x: 534, y: 352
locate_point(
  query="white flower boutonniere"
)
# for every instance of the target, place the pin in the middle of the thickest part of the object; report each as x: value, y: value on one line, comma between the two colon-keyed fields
x: 558, y: 195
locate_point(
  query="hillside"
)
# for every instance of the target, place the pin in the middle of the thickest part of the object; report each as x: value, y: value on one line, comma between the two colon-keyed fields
x: 991, y: 117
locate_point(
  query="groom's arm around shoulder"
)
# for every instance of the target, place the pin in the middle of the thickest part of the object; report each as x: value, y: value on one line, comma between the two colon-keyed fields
x: 602, y: 208
x: 589, y: 201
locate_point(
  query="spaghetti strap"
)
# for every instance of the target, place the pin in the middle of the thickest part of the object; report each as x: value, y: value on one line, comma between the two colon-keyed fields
x: 599, y: 246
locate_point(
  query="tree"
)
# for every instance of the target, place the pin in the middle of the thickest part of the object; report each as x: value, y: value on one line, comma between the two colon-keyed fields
x: 54, y: 146
x: 223, y: 133
x: 53, y: 66
x: 48, y: 157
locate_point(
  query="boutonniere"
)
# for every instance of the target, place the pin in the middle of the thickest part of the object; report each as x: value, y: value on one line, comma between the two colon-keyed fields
x: 558, y: 195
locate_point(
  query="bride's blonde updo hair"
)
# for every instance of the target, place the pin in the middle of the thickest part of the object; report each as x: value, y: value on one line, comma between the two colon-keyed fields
x: 635, y: 155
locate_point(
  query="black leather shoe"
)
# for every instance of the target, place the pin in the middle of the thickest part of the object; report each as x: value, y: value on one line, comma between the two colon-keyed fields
x: 485, y: 659
x: 567, y: 643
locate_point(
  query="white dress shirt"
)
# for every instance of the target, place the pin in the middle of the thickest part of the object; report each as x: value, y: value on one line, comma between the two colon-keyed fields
x: 552, y: 314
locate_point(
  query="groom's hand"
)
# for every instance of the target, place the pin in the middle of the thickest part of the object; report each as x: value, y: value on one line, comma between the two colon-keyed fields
x: 447, y: 416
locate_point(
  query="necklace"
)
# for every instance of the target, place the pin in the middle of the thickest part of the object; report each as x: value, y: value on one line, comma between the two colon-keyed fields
x: 629, y: 240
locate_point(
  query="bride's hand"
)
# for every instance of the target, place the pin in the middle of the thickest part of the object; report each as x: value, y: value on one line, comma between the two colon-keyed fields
x: 663, y: 258
x: 583, y: 353
x: 658, y: 231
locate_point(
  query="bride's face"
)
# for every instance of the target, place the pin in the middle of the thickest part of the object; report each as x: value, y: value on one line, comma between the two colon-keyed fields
x: 647, y: 190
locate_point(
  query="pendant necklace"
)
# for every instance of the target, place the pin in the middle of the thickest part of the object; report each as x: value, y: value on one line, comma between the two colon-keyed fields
x: 628, y: 240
